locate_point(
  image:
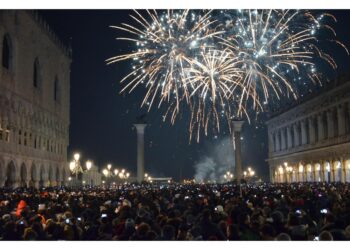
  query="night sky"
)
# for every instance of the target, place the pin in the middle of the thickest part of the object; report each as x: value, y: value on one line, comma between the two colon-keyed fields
x: 102, y: 120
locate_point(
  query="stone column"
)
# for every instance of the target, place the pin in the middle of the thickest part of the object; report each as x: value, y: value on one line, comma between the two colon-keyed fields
x: 278, y: 145
x: 332, y: 166
x: 320, y: 127
x: 343, y: 170
x: 303, y: 132
x: 140, y: 128
x: 271, y: 172
x: 271, y: 142
x: 312, y: 130
x: 296, y: 135
x: 283, y: 139
x: 289, y: 137
x: 237, y: 128
x: 341, y: 120
x: 322, y: 166
x: 330, y: 124
x: 313, y: 171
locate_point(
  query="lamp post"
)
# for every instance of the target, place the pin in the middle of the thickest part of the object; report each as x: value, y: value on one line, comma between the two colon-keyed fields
x: 108, y: 173
x: 228, y: 176
x: 76, y: 168
x: 249, y: 173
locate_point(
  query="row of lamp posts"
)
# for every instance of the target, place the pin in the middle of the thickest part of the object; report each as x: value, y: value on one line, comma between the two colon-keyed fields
x: 76, y: 169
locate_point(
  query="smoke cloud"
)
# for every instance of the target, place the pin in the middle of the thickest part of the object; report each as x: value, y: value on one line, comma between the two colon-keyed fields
x: 218, y: 160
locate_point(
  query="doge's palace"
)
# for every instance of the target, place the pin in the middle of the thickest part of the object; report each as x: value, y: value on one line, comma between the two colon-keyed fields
x: 34, y: 102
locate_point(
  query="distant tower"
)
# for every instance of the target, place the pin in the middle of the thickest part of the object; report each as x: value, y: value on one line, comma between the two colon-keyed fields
x: 140, y: 129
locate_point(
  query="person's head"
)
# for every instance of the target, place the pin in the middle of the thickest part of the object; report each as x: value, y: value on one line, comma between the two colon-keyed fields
x: 277, y: 217
x: 347, y: 232
x: 283, y: 237
x: 243, y: 219
x: 30, y: 234
x: 293, y: 220
x: 194, y: 233
x: 329, y: 218
x: 325, y: 236
x: 151, y: 235
x: 206, y: 215
x: 68, y: 232
x: 267, y: 232
x: 142, y: 230
x: 168, y: 232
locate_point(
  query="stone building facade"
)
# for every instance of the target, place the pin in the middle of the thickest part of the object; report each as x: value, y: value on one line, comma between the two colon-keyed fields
x: 34, y: 102
x: 311, y: 141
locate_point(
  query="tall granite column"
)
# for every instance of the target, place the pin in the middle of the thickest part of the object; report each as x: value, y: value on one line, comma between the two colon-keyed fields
x: 140, y: 129
x: 237, y: 128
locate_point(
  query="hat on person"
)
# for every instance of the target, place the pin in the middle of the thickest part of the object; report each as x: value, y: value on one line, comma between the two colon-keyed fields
x: 219, y: 209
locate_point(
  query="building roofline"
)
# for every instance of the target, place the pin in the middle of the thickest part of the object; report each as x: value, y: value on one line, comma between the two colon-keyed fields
x: 331, y: 85
x: 42, y: 23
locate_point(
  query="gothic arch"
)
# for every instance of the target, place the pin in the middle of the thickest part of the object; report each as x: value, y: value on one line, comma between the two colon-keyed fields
x: 33, y: 174
x: 10, y: 174
x: 42, y: 176
x: 23, y: 175
x: 58, y: 174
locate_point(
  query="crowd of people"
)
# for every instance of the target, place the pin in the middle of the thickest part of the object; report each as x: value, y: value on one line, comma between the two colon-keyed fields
x: 300, y: 211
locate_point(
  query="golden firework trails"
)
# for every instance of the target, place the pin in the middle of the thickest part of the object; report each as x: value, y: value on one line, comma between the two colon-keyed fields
x: 223, y: 65
x: 279, y: 51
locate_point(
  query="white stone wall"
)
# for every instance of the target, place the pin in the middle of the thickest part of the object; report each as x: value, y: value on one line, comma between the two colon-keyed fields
x: 34, y: 127
x: 311, y: 141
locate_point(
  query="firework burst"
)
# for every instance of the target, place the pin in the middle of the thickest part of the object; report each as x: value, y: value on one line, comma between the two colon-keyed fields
x: 224, y: 66
x: 279, y: 50
x: 166, y: 43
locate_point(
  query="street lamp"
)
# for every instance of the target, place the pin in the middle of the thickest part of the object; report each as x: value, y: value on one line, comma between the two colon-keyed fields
x: 76, y: 168
x: 249, y: 173
x: 228, y: 176
x: 108, y: 173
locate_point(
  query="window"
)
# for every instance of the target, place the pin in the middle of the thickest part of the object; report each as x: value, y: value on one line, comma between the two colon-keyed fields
x: 25, y: 139
x: 6, y: 53
x: 36, y: 73
x: 56, y: 90
x: 19, y: 137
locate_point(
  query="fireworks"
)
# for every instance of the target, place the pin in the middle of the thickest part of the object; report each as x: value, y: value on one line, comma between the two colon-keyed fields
x: 166, y: 43
x: 279, y: 50
x: 225, y: 65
